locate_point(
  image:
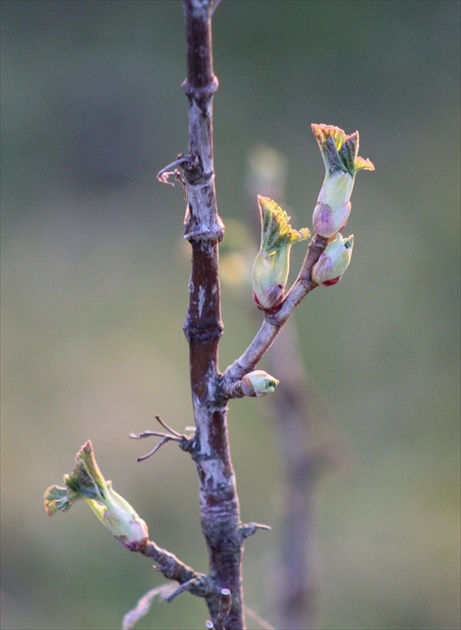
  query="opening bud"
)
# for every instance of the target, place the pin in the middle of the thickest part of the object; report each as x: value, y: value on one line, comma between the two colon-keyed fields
x: 342, y: 163
x: 272, y: 264
x: 258, y: 383
x: 334, y: 261
x: 87, y: 482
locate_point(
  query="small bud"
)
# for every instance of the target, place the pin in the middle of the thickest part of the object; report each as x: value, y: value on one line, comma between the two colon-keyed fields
x: 258, y: 383
x: 342, y: 162
x: 272, y: 264
x: 86, y: 482
x: 334, y: 261
x: 325, y: 220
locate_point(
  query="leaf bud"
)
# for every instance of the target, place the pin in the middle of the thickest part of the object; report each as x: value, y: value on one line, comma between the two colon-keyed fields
x: 334, y: 261
x: 272, y: 264
x: 342, y: 163
x: 258, y: 383
x: 87, y: 482
x: 328, y: 221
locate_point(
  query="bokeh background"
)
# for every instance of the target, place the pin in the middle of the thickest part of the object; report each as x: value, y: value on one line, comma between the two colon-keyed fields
x: 94, y: 290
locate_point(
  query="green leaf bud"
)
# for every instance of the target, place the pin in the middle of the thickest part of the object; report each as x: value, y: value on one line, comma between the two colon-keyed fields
x: 342, y: 163
x: 272, y: 264
x: 258, y: 383
x: 334, y: 261
x: 87, y: 482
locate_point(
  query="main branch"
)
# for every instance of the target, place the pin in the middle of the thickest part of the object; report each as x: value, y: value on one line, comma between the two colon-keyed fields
x: 219, y: 506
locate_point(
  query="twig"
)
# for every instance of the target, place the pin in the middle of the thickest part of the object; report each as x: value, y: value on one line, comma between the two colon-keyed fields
x: 166, y: 438
x: 167, y: 427
x: 273, y: 323
x: 183, y: 441
x: 265, y: 625
x: 249, y: 529
x: 143, y: 606
x: 184, y: 588
x: 174, y: 569
x: 182, y: 160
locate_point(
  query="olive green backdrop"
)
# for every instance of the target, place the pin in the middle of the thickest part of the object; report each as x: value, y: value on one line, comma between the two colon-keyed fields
x: 94, y: 282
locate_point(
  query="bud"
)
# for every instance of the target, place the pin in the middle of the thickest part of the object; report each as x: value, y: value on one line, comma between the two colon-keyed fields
x: 342, y: 163
x: 334, y: 261
x: 87, y: 482
x: 258, y: 383
x: 327, y: 221
x: 272, y: 264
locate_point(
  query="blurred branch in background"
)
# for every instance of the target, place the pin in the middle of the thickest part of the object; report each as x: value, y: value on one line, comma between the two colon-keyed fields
x: 301, y: 462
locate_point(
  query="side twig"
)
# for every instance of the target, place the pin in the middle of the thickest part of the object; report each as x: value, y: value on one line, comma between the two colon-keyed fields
x: 273, y: 323
x: 172, y: 436
x: 174, y: 569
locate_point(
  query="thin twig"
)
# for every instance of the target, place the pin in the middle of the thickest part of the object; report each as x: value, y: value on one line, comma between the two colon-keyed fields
x: 167, y: 438
x: 183, y: 441
x: 185, y: 587
x: 265, y: 625
x: 249, y: 529
x: 144, y: 434
x: 165, y: 173
x: 167, y: 427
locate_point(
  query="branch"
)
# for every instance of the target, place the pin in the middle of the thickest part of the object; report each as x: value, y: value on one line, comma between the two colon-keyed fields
x: 292, y: 414
x: 273, y: 322
x: 86, y: 482
x: 174, y: 569
x: 203, y: 327
x: 328, y: 248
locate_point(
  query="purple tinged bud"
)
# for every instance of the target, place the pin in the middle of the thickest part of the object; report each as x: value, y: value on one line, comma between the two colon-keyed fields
x: 327, y: 222
x: 334, y: 261
x: 342, y: 163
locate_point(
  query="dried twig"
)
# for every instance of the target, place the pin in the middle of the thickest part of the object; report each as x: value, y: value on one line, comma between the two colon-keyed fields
x: 172, y: 436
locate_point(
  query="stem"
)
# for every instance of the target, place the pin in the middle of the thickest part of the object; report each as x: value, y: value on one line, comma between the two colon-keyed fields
x: 273, y: 323
x: 219, y: 505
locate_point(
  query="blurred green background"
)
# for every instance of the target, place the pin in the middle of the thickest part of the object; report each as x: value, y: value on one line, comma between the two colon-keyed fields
x: 94, y: 287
